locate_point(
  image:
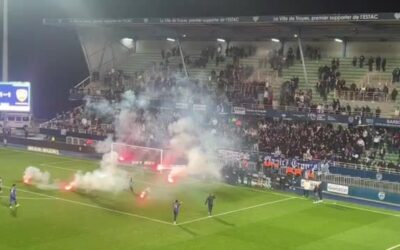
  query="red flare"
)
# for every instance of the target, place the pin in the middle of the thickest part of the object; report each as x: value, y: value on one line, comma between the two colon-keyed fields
x: 68, y: 187
x: 27, y: 180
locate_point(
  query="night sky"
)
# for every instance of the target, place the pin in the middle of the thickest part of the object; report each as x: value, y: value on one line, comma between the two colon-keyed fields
x: 51, y: 57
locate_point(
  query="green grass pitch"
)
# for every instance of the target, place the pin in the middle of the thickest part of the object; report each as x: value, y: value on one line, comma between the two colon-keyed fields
x: 244, y: 218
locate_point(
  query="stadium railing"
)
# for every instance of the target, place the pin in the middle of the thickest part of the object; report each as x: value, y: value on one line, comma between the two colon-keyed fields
x: 363, y: 96
x: 312, y: 110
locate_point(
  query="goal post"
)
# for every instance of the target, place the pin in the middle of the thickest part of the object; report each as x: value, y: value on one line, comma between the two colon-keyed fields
x: 137, y: 155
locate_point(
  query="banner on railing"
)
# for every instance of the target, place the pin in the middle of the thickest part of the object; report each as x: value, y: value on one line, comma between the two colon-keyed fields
x: 374, y: 194
x: 309, y: 184
x: 339, y: 189
x: 181, y: 105
x: 43, y: 150
x: 233, y: 155
x: 199, y: 107
x: 239, y: 110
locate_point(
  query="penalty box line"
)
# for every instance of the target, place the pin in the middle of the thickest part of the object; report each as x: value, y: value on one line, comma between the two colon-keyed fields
x: 237, y: 210
x: 97, y: 207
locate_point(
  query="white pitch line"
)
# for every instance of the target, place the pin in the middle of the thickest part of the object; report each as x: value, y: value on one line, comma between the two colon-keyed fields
x: 29, y: 198
x: 393, y: 247
x: 98, y: 207
x: 75, y: 170
x: 68, y: 169
x: 47, y: 155
x: 56, y: 162
x: 237, y: 210
x: 364, y: 209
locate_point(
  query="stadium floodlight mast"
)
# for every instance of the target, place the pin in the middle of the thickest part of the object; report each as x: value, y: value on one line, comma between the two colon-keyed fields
x: 173, y: 40
x: 5, y: 40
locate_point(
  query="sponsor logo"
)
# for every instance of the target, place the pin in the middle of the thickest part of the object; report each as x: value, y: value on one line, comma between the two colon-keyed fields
x: 145, y: 20
x: 312, y: 116
x: 378, y: 176
x: 309, y: 185
x: 397, y: 16
x: 369, y: 121
x: 199, y: 107
x: 22, y: 95
x: 256, y: 18
x: 181, y: 105
x: 44, y: 150
x: 396, y: 122
x: 239, y: 110
x: 331, y: 118
x: 321, y: 117
x: 339, y: 189
x: 381, y: 196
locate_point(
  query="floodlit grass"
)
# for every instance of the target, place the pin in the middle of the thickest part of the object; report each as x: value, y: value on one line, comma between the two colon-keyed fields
x: 244, y: 218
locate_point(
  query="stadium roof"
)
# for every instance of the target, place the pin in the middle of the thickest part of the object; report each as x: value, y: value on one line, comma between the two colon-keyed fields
x: 360, y: 26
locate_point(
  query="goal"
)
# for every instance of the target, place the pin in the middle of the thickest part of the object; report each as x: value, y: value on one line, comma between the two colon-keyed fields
x: 137, y: 155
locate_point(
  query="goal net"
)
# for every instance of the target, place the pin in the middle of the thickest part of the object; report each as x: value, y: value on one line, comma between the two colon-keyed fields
x: 137, y: 155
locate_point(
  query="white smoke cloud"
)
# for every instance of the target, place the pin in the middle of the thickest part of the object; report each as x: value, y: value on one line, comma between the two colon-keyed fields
x: 34, y: 176
x: 189, y: 136
x: 108, y: 177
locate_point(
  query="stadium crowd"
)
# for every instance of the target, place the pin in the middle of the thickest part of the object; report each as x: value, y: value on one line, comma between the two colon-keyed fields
x: 235, y: 84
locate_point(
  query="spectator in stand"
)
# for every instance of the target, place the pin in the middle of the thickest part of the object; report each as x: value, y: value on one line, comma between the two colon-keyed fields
x: 394, y: 94
x: 354, y: 62
x: 361, y: 61
x: 163, y: 54
x: 378, y: 112
x: 378, y: 62
x: 370, y: 63
x: 396, y: 75
x: 290, y: 57
x: 384, y: 64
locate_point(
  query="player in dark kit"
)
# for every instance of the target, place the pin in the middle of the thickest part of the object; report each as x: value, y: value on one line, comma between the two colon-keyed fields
x: 131, y: 184
x: 320, y: 192
x: 210, y: 202
x: 176, y: 207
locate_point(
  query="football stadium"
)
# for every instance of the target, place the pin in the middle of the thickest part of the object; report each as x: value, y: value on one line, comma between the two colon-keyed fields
x: 207, y: 132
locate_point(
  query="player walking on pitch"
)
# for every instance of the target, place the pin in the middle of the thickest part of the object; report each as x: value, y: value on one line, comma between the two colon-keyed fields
x: 176, y: 207
x: 13, y: 196
x: 1, y: 185
x: 210, y: 202
x: 131, y: 184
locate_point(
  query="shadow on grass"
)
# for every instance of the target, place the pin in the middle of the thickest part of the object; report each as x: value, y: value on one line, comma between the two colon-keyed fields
x: 334, y: 206
x: 13, y: 212
x: 223, y: 222
x: 187, y: 230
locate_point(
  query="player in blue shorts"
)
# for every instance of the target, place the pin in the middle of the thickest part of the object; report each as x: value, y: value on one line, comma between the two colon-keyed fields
x: 176, y: 207
x: 13, y: 196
